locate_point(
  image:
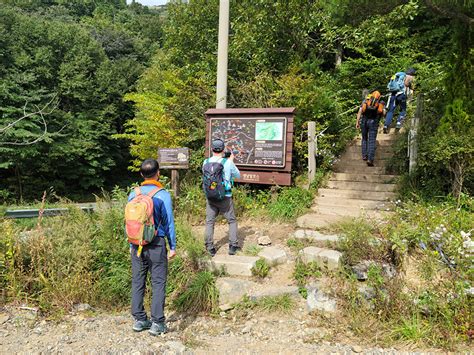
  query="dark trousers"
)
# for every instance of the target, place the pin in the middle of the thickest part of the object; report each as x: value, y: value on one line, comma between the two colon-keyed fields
x: 153, y: 259
x: 393, y: 102
x: 369, y: 129
x: 226, y: 208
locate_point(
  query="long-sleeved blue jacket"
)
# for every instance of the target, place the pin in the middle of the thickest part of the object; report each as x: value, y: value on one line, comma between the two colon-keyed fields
x: 162, y: 211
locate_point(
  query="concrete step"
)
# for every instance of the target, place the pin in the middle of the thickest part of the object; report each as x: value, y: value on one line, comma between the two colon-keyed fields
x: 360, y: 169
x: 361, y: 186
x: 363, y: 178
x: 383, y: 143
x: 325, y: 258
x: 317, y: 221
x: 357, y: 155
x: 359, y: 163
x: 351, y: 211
x: 315, y: 236
x: 383, y: 137
x: 362, y: 195
x: 349, y: 202
x: 235, y: 265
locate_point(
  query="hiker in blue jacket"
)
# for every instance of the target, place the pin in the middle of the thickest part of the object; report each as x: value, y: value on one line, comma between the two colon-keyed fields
x: 154, y: 256
x: 400, y: 87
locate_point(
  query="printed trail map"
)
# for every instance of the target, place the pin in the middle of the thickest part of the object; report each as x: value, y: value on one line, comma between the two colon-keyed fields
x: 255, y: 142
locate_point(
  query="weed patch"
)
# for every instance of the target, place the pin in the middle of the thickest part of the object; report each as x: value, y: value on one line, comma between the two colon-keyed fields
x: 274, y: 304
x: 261, y: 268
x: 199, y: 295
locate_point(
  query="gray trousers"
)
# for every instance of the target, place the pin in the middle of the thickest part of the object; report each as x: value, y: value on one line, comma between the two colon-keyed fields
x: 154, y: 259
x: 226, y: 208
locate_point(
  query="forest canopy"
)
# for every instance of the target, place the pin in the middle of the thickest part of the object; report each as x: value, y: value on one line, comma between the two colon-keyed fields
x: 112, y: 76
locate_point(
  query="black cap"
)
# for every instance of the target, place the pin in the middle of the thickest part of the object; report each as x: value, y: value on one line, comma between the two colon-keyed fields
x: 411, y: 71
x: 217, y: 145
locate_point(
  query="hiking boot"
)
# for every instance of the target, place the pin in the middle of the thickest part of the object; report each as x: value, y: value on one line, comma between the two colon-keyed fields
x: 158, y: 328
x: 370, y: 163
x: 233, y: 249
x: 212, y: 251
x: 385, y: 130
x: 364, y: 158
x: 141, y: 325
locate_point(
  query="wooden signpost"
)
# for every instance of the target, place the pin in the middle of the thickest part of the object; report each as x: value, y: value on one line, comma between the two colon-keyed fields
x: 261, y: 139
x: 174, y: 159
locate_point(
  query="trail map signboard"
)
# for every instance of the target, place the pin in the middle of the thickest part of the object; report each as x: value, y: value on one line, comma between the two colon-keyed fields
x: 261, y: 140
x: 173, y: 158
x: 254, y: 141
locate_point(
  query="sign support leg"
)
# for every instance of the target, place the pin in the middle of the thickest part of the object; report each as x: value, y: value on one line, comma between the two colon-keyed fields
x: 175, y: 182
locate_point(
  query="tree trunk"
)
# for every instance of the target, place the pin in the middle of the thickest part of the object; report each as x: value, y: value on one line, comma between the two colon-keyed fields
x: 457, y: 167
x: 338, y: 55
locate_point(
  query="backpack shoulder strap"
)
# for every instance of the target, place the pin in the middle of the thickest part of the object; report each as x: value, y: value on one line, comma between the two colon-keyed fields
x: 154, y: 191
x: 138, y: 191
x: 223, y: 161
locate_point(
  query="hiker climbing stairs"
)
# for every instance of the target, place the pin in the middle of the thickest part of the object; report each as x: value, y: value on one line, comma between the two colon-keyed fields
x: 355, y: 189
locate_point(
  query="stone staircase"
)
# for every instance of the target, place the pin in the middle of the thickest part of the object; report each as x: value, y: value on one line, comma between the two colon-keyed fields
x: 354, y: 189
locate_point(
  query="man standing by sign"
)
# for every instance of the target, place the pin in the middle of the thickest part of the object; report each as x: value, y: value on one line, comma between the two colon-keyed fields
x: 219, y: 173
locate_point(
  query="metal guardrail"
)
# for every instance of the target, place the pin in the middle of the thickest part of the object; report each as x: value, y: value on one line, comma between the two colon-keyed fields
x: 47, y: 212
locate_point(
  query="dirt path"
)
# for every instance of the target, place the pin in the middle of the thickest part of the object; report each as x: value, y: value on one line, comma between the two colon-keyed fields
x: 230, y: 334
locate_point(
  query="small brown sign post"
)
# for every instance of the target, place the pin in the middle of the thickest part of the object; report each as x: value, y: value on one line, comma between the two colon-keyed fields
x: 261, y: 139
x: 174, y: 159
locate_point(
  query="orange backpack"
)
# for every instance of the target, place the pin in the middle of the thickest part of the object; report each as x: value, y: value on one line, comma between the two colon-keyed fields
x: 139, y: 221
x: 372, y: 105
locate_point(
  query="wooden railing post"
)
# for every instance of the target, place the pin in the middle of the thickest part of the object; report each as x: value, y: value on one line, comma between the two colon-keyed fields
x: 311, y: 151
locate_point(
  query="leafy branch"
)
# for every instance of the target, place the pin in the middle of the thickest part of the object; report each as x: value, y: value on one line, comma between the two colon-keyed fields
x: 46, y: 110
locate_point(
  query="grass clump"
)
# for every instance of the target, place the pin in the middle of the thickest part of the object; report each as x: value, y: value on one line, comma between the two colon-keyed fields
x: 290, y: 203
x: 199, y: 295
x: 261, y: 268
x: 272, y: 304
x: 295, y: 244
x: 252, y: 249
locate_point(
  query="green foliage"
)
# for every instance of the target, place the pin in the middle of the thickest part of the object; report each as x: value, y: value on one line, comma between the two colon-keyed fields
x: 305, y: 272
x: 290, y: 203
x: 199, y: 295
x: 75, y: 63
x: 431, y: 246
x: 261, y: 268
x: 452, y: 144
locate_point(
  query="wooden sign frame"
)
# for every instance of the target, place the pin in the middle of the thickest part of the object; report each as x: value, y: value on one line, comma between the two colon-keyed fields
x: 260, y: 174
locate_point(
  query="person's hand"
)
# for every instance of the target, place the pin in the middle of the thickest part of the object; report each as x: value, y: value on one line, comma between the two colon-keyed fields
x: 171, y: 254
x: 232, y: 156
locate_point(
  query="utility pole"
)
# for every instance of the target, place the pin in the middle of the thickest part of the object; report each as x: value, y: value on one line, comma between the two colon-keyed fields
x: 222, y: 50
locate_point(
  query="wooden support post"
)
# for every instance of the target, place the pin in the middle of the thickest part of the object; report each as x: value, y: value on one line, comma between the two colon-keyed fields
x: 175, y: 182
x: 412, y: 135
x: 311, y: 151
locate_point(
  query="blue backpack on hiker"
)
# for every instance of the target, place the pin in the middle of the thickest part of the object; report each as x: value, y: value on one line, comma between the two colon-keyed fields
x: 213, y: 179
x: 397, y: 82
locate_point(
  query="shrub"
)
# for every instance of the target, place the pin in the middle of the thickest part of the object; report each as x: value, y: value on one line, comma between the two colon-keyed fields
x: 290, y: 203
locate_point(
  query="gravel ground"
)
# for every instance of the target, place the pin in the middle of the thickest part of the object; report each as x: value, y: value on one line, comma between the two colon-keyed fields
x: 230, y: 333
